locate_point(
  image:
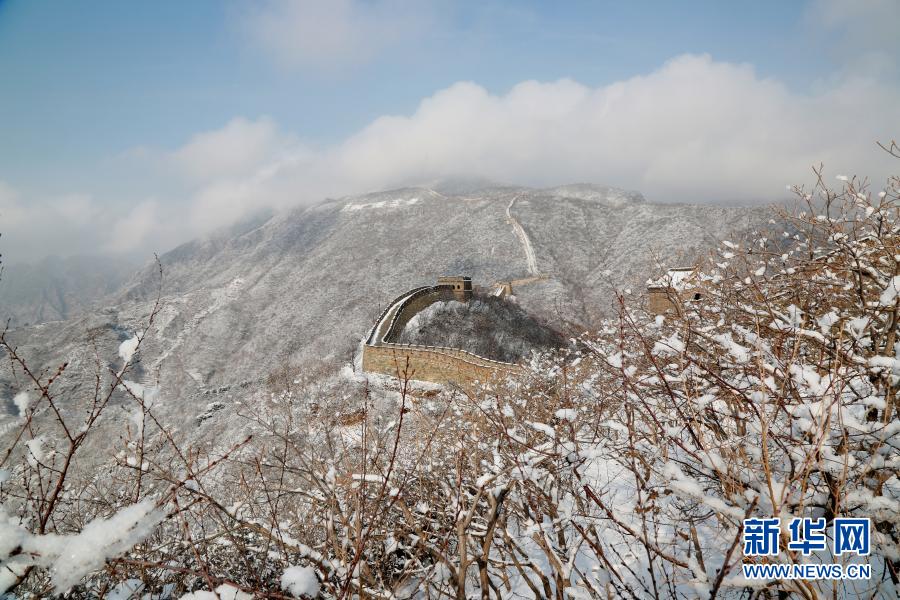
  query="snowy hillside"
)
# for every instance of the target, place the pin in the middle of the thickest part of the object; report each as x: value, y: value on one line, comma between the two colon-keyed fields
x: 301, y: 289
x: 622, y: 465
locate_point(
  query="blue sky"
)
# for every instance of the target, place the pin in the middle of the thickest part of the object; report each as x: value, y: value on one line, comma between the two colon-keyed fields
x: 118, y: 117
x: 86, y: 80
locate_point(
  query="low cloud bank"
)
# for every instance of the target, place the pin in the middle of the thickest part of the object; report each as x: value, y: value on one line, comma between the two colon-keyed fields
x: 694, y: 130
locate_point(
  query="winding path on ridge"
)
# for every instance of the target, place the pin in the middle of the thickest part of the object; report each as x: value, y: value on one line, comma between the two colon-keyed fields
x: 530, y: 258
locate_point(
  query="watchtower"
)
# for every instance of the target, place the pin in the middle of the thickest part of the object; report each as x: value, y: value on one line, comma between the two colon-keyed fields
x: 462, y: 286
x: 677, y: 284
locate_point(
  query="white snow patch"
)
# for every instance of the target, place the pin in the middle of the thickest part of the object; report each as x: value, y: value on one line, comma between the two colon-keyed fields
x: 135, y: 388
x: 223, y: 592
x: 300, y: 581
x: 100, y: 540
x: 826, y: 321
x: 667, y: 346
x: 543, y: 428
x: 676, y: 279
x: 35, y: 451
x: 128, y: 347
x: 22, y: 401
x: 380, y: 204
x: 71, y: 557
x: 889, y: 295
x: 740, y: 353
x: 566, y: 414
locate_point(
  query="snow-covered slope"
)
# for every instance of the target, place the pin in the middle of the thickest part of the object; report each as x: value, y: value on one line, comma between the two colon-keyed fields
x: 302, y: 288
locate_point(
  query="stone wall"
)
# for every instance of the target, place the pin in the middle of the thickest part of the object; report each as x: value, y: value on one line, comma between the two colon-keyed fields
x: 658, y: 301
x: 381, y: 353
x: 430, y: 363
x: 415, y: 305
x: 661, y: 300
x: 383, y: 325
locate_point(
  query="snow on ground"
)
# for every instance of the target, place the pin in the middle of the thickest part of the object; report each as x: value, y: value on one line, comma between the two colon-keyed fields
x: 396, y: 203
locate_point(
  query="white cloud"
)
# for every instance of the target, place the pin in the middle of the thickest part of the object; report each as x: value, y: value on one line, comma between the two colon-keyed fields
x: 76, y: 209
x: 332, y: 33
x: 872, y: 22
x: 693, y: 130
x: 862, y: 34
x: 132, y: 230
x: 32, y: 227
x: 12, y: 213
x: 231, y: 151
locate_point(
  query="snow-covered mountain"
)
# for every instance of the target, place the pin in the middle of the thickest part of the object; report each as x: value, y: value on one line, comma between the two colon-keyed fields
x: 301, y: 289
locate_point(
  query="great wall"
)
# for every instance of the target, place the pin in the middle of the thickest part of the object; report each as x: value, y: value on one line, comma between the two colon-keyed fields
x: 438, y: 364
x: 383, y: 354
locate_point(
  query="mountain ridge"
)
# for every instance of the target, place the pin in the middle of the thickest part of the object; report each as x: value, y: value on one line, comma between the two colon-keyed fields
x: 302, y: 288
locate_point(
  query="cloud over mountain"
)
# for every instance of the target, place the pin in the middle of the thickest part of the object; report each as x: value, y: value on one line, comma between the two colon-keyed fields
x: 694, y: 130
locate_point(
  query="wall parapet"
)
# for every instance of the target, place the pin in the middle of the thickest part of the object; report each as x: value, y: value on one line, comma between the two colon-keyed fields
x: 454, y: 352
x: 384, y: 313
x: 424, y: 297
